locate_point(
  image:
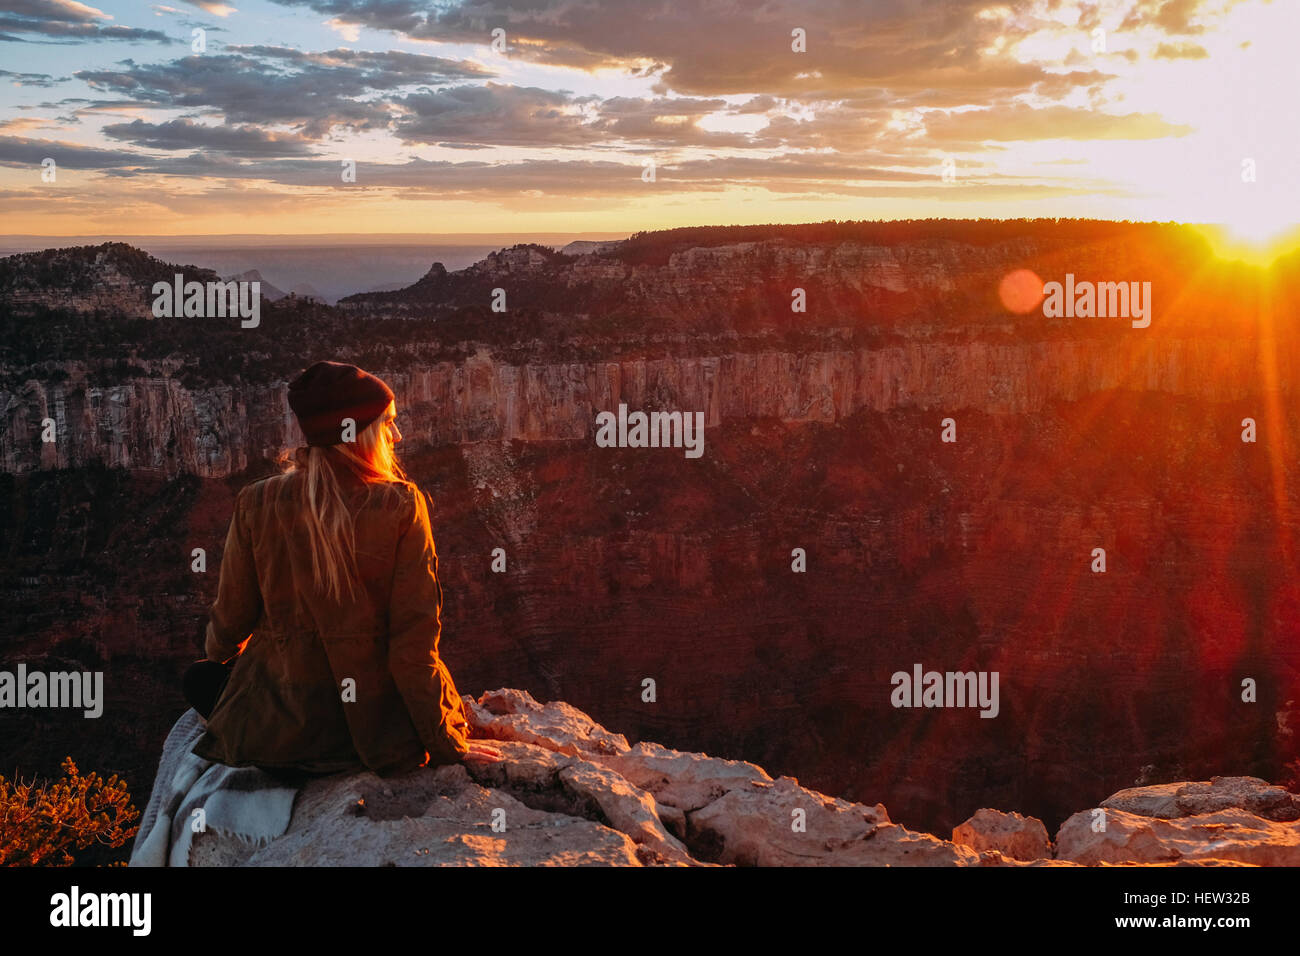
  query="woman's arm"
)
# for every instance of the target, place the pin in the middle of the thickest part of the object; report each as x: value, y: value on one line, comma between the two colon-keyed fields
x: 235, y: 613
x: 414, y: 627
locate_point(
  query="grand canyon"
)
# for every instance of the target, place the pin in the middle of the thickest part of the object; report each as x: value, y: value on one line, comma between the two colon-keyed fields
x: 824, y: 437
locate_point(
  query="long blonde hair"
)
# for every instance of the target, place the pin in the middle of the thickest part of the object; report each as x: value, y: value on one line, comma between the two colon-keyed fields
x: 373, y: 458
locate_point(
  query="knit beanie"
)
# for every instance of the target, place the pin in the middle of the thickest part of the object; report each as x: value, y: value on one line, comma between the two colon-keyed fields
x: 329, y: 392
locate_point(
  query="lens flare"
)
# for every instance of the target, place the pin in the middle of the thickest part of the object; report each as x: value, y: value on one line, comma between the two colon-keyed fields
x: 1021, y: 291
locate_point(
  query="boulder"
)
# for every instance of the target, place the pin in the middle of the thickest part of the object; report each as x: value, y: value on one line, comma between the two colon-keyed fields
x: 1171, y: 800
x: 1226, y: 835
x: 1014, y: 836
x: 430, y: 817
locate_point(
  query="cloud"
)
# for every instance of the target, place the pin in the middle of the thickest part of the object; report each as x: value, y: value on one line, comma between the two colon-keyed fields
x: 281, y: 86
x: 18, y: 151
x: 494, y: 114
x: 1181, y: 51
x: 568, y: 177
x: 22, y: 124
x: 1171, y: 16
x: 724, y: 103
x: 1022, y: 122
x: 664, y: 122
x: 1058, y: 85
x: 710, y: 47
x: 246, y: 141
x: 379, y: 69
x: 213, y: 7
x: 29, y: 79
x: 348, y: 31
x: 503, y: 115
x: 66, y: 21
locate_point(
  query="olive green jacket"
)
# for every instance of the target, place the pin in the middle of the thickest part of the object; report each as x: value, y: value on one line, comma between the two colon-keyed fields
x: 323, y: 685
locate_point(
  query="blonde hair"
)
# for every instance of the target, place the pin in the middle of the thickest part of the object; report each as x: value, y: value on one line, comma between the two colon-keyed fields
x: 331, y: 535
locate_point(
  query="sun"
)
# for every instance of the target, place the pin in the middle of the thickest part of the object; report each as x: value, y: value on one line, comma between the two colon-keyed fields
x: 1254, y: 233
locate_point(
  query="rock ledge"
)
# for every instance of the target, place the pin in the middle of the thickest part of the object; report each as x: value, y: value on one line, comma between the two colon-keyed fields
x: 571, y: 793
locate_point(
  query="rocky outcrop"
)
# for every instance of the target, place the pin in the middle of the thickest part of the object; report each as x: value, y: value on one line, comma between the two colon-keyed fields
x: 582, y: 247
x: 571, y: 793
x: 1241, y: 819
x: 1173, y: 800
x: 1014, y: 836
x: 112, y: 278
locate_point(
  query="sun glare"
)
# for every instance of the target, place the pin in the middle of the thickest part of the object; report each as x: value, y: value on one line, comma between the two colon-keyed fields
x: 1255, y: 233
x: 1255, y: 239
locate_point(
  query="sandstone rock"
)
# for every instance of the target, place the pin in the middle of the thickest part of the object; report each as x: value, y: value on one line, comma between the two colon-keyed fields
x: 1172, y: 800
x: 730, y: 811
x: 426, y: 818
x: 1014, y: 836
x: 1160, y: 800
x: 686, y: 781
x: 625, y: 807
x: 1249, y: 793
x: 1232, y: 835
x: 507, y: 714
x: 755, y: 826
x: 571, y: 793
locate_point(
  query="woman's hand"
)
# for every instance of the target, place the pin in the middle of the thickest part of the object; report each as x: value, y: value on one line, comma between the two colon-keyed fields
x: 482, y: 752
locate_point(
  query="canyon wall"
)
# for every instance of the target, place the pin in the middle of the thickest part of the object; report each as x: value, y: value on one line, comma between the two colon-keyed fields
x: 823, y: 435
x: 158, y: 425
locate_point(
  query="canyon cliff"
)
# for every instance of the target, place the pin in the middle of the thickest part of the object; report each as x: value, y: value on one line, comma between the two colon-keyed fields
x: 823, y: 433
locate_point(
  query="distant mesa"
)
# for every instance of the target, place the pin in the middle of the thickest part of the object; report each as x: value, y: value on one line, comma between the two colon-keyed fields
x: 305, y: 290
x: 270, y: 292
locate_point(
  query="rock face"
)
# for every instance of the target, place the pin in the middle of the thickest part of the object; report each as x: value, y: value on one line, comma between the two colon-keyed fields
x: 158, y: 425
x: 905, y: 326
x: 570, y: 793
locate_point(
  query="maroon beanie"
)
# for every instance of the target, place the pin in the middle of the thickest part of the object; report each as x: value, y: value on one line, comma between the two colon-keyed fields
x: 329, y: 392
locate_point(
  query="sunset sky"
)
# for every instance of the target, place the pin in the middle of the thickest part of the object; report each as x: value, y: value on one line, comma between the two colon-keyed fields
x: 450, y: 136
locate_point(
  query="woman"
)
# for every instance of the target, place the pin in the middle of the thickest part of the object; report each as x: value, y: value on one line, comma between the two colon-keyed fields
x: 329, y: 605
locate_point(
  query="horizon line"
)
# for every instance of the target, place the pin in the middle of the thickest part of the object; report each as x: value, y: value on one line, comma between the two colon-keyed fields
x: 603, y: 234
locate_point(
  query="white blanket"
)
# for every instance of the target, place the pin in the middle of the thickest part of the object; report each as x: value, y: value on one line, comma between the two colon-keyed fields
x: 243, y: 802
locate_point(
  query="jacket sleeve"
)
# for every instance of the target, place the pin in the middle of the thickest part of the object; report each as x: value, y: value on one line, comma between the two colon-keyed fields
x: 235, y: 613
x: 414, y: 627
